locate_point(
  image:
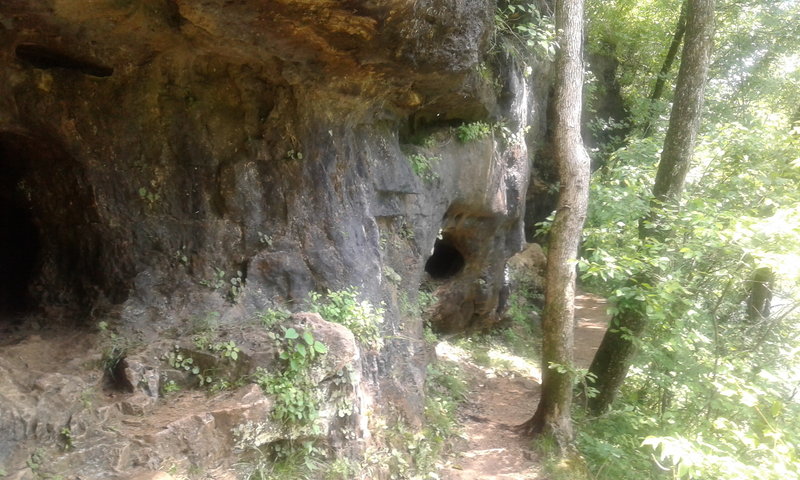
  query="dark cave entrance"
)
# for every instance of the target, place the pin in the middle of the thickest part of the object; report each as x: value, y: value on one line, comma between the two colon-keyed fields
x: 446, y: 260
x: 52, y: 248
x: 20, y: 240
x: 19, y: 249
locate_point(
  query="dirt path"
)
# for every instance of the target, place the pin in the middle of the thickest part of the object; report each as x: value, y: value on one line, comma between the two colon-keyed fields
x: 490, y: 449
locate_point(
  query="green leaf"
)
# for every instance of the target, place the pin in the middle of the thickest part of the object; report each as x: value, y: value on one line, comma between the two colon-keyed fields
x: 309, y: 339
x: 291, y: 334
x: 320, y: 347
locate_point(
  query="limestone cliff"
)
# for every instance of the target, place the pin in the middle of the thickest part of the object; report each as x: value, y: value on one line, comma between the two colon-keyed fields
x: 164, y: 159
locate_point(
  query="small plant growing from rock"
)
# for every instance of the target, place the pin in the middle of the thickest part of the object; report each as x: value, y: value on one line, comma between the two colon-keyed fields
x: 115, y: 347
x: 296, y: 403
x: 36, y: 460
x: 66, y: 437
x: 273, y: 316
x: 360, y: 316
x: 217, y: 281
x: 237, y: 285
x: 87, y: 397
x: 265, y: 239
x: 469, y: 132
x: 406, y: 231
x: 170, y: 387
x: 293, y: 155
x: 423, y: 166
x: 181, y: 256
x: 228, y: 350
x: 180, y: 361
x: 148, y: 196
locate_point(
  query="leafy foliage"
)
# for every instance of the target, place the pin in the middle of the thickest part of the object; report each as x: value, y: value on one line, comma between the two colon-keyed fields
x: 360, y: 316
x: 272, y: 317
x: 469, y: 132
x: 712, y: 393
x: 411, y: 453
x: 423, y: 166
x: 527, y: 27
x: 296, y: 402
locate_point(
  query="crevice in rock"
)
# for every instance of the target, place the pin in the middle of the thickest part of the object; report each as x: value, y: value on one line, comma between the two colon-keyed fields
x: 446, y: 260
x: 46, y: 58
x: 115, y: 378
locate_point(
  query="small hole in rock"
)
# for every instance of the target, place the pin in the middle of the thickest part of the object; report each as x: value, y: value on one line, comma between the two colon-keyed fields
x: 115, y: 378
x: 445, y: 262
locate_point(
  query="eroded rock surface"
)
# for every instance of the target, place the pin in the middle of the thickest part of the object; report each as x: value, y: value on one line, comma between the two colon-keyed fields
x: 69, y: 417
x: 165, y: 159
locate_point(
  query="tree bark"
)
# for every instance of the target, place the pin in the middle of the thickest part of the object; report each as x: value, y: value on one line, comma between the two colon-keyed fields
x: 661, y: 79
x: 553, y: 414
x: 610, y: 364
x: 684, y: 121
x: 760, y: 298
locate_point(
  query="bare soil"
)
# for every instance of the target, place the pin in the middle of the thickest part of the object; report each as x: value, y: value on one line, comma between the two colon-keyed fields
x: 490, y: 448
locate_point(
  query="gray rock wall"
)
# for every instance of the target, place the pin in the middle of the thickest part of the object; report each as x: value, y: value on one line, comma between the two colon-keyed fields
x: 169, y: 158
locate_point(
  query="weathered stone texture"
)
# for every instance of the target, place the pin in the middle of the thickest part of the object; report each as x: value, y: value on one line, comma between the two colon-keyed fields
x: 163, y: 159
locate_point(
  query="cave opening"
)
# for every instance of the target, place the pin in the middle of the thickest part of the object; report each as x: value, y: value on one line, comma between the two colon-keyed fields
x: 446, y: 261
x: 20, y: 238
x: 19, y: 253
x: 51, y: 251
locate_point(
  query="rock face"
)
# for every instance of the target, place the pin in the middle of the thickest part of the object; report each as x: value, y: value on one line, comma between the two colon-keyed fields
x: 164, y: 159
x: 148, y: 416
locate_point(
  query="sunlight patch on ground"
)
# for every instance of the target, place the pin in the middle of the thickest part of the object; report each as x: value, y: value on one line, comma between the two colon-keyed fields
x: 493, y: 360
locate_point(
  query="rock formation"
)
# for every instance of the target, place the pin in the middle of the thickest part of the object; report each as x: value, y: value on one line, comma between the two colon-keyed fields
x: 165, y: 159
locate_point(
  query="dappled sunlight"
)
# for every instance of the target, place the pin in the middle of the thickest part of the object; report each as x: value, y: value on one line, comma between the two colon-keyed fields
x: 592, y: 325
x: 492, y: 360
x: 447, y: 351
x: 514, y: 364
x: 504, y: 390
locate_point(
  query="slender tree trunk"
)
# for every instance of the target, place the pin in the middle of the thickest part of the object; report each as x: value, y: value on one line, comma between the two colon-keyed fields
x: 684, y: 121
x: 553, y: 415
x: 661, y: 79
x: 611, y: 362
x: 760, y: 298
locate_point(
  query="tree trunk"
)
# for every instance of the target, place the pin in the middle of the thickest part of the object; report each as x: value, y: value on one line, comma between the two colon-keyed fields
x: 611, y: 362
x: 684, y: 121
x: 661, y: 79
x: 613, y: 358
x: 760, y: 298
x: 553, y: 413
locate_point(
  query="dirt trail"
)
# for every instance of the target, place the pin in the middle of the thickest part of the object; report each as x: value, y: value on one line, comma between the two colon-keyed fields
x: 490, y: 449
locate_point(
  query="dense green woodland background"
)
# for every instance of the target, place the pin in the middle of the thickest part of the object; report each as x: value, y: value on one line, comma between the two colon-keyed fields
x: 714, y: 391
